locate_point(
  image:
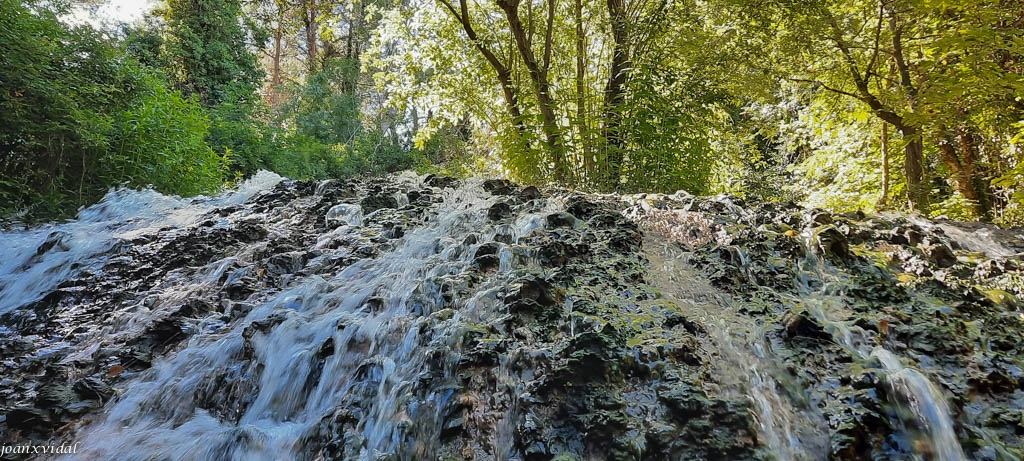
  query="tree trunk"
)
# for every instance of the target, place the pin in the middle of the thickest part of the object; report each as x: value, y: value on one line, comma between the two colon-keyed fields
x: 504, y: 75
x: 613, y: 94
x: 581, y: 110
x: 913, y: 163
x: 348, y: 40
x: 539, y: 78
x: 882, y: 201
x: 311, y: 21
x: 359, y: 10
x: 275, y: 74
x: 913, y: 168
x: 964, y: 171
x: 976, y: 181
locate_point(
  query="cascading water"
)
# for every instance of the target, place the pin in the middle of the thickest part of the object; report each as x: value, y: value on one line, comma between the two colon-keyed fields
x: 979, y: 239
x: 925, y: 401
x: 37, y: 260
x: 819, y: 313
x: 370, y: 343
x: 922, y: 399
x: 744, y: 366
x: 410, y: 317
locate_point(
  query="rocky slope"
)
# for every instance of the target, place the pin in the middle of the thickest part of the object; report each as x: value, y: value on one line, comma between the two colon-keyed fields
x: 434, y: 318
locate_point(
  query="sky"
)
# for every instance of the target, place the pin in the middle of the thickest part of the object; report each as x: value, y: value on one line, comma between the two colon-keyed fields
x: 112, y: 12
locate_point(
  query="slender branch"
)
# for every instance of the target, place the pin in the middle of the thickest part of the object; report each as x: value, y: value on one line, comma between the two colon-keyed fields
x: 821, y: 84
x: 878, y: 37
x: 548, y: 35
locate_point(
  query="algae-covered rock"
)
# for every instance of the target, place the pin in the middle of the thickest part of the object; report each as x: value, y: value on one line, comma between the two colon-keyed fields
x: 530, y: 324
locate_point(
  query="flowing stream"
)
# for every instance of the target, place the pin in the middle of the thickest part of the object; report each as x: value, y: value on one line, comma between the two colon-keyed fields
x: 821, y: 291
x: 745, y: 362
x: 423, y: 318
x: 370, y: 339
x: 29, y: 269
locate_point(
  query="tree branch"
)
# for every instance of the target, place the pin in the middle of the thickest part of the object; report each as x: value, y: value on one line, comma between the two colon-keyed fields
x: 818, y: 83
x: 878, y: 37
x: 548, y: 35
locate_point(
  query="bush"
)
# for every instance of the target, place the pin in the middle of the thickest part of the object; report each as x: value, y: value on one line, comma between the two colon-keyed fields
x: 78, y: 115
x: 239, y: 136
x: 159, y: 140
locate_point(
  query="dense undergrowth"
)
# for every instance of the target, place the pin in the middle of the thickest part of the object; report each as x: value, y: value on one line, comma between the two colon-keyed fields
x: 838, y: 105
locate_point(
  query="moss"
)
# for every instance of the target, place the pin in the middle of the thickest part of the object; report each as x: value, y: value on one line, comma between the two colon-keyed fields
x: 1001, y: 298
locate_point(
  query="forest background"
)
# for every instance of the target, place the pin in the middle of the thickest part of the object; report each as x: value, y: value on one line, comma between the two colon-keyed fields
x: 913, y: 105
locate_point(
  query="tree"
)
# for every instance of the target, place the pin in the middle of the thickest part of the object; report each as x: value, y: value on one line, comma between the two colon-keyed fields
x: 79, y: 114
x: 210, y: 49
x: 904, y: 60
x: 580, y: 102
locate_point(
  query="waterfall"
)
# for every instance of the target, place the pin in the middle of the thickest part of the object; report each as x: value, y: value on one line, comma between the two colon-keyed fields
x: 373, y: 342
x: 745, y: 367
x: 37, y: 260
x: 907, y: 386
x: 423, y: 317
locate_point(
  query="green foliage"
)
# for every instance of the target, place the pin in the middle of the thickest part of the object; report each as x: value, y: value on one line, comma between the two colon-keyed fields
x: 302, y: 157
x: 239, y: 134
x: 79, y: 116
x: 145, y: 43
x: 326, y: 135
x: 945, y: 76
x: 769, y: 101
x: 668, y: 119
x: 327, y: 107
x: 159, y: 140
x: 1011, y: 188
x: 207, y: 46
x: 955, y: 207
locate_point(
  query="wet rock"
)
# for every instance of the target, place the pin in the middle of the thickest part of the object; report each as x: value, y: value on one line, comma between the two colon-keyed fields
x: 995, y: 381
x: 529, y: 193
x: 486, y: 256
x: 594, y: 355
x: 326, y: 349
x: 440, y: 181
x: 240, y: 283
x: 683, y: 350
x: 534, y: 295
x: 286, y: 263
x: 855, y: 215
x: 165, y: 333
x: 831, y: 243
x: 228, y: 393
x: 938, y: 254
x: 555, y: 252
x: 56, y: 239
x: 93, y: 388
x: 31, y: 419
x: 583, y: 208
x: 801, y: 324
x: 560, y: 220
x: 378, y: 201
x: 263, y: 325
x: 568, y: 352
x: 819, y: 217
x: 905, y: 235
x: 373, y: 304
x: 676, y: 319
x: 684, y: 400
x: 51, y: 395
x: 499, y: 211
x: 333, y: 190
x: 500, y: 186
